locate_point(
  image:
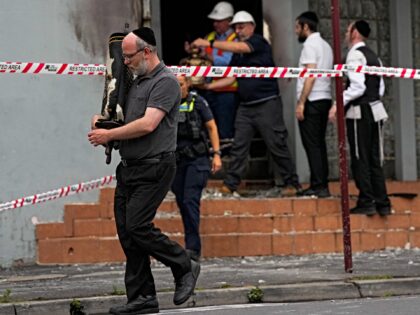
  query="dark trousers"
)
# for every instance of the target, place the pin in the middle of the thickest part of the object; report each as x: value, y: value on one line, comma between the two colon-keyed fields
x: 267, y: 118
x: 190, y: 180
x: 312, y: 131
x: 366, y: 168
x: 139, y: 192
x: 223, y: 106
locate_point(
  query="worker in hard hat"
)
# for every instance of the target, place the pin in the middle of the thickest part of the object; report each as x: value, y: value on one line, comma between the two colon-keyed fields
x: 223, y: 101
x: 260, y: 107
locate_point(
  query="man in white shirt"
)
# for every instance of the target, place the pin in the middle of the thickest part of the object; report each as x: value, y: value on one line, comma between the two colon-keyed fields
x: 365, y: 115
x: 314, y: 102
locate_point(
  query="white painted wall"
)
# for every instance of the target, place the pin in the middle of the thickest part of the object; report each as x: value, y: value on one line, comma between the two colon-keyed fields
x: 44, y: 119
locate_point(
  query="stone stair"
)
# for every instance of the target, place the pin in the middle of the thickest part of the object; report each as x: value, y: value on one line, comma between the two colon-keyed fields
x: 237, y: 227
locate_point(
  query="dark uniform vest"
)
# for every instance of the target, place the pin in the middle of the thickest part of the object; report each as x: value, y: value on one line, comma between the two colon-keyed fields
x: 372, y: 82
x: 190, y: 128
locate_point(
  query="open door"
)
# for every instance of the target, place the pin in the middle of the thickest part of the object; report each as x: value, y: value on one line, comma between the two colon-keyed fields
x: 186, y: 20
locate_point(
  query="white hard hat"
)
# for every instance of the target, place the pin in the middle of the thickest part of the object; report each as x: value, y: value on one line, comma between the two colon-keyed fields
x: 221, y: 11
x: 242, y: 17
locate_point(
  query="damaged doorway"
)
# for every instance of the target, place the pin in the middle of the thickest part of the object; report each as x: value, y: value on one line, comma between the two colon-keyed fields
x: 186, y: 20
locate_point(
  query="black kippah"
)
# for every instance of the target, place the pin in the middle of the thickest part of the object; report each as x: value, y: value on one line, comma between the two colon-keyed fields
x: 146, y: 34
x: 363, y: 28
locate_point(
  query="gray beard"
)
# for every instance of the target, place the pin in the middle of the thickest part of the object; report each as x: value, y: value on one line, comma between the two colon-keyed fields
x: 141, y: 70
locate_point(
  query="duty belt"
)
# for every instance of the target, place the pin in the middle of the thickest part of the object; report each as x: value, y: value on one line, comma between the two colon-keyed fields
x: 143, y: 161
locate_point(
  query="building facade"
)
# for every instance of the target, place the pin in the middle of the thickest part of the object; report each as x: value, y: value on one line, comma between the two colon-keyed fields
x: 45, y: 119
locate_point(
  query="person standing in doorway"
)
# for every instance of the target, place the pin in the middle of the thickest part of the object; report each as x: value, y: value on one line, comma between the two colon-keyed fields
x: 223, y: 101
x: 365, y: 115
x: 147, y: 168
x: 260, y: 108
x: 314, y: 102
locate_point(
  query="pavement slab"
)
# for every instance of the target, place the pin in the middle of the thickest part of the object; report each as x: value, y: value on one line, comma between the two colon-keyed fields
x: 38, y: 289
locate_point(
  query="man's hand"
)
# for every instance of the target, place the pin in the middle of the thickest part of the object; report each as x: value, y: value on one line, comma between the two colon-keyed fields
x: 216, y: 164
x: 200, y: 42
x: 99, y: 136
x: 300, y: 108
x: 93, y: 121
x: 332, y: 117
x: 203, y: 86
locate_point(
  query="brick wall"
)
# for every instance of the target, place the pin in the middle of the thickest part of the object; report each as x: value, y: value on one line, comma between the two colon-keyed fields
x: 376, y: 12
x: 277, y: 226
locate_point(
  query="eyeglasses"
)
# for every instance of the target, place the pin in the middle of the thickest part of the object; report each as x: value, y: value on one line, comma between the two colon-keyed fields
x: 131, y: 56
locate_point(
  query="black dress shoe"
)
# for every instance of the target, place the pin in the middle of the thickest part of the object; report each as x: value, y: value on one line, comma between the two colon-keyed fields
x: 368, y: 210
x: 384, y: 211
x: 142, y: 305
x: 184, y: 287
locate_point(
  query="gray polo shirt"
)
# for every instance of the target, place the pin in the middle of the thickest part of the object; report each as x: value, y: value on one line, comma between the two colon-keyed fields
x: 159, y: 89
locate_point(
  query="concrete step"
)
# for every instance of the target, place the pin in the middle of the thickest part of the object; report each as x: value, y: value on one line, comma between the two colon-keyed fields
x: 107, y: 249
x: 324, y: 219
x: 235, y: 227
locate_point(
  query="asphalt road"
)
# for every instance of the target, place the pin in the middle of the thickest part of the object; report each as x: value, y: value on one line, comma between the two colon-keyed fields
x: 405, y: 305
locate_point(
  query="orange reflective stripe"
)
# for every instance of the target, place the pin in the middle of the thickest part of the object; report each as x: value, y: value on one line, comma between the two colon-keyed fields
x: 231, y: 37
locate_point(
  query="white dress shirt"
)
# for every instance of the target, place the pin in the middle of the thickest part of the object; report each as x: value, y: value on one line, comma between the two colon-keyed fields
x: 357, y: 86
x: 316, y: 51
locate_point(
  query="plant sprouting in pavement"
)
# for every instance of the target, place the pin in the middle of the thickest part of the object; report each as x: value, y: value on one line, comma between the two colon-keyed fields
x: 5, y: 297
x: 255, y: 295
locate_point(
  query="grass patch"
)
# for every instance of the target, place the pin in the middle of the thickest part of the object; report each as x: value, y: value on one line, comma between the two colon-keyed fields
x: 166, y: 290
x: 388, y: 294
x: 5, y: 297
x: 371, y: 277
x: 117, y: 291
x: 255, y: 295
x: 76, y: 308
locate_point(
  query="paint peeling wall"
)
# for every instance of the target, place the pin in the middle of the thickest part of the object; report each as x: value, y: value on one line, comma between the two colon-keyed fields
x: 44, y: 119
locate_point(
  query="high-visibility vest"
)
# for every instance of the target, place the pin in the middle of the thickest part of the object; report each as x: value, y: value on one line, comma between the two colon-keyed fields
x: 189, y: 122
x: 212, y: 36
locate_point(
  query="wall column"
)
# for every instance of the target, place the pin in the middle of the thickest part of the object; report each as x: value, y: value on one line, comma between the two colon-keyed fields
x: 280, y: 17
x: 403, y: 90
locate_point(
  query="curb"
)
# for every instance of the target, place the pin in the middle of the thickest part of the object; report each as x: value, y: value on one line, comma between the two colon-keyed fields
x: 313, y: 291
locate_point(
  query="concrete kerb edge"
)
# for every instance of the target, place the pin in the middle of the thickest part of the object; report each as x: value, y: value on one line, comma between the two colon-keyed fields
x: 388, y: 287
x: 272, y: 294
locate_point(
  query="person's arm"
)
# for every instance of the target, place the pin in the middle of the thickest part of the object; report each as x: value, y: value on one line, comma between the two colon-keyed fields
x: 381, y: 83
x: 307, y: 88
x: 357, y: 85
x: 223, y: 59
x: 137, y: 128
x: 217, y: 84
x: 214, y: 140
x: 332, y: 113
x: 235, y: 47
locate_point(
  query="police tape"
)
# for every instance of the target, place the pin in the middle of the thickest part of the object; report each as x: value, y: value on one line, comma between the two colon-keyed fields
x: 404, y: 73
x: 57, y: 193
x: 212, y: 71
x: 190, y: 71
x: 52, y: 68
x: 253, y: 72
